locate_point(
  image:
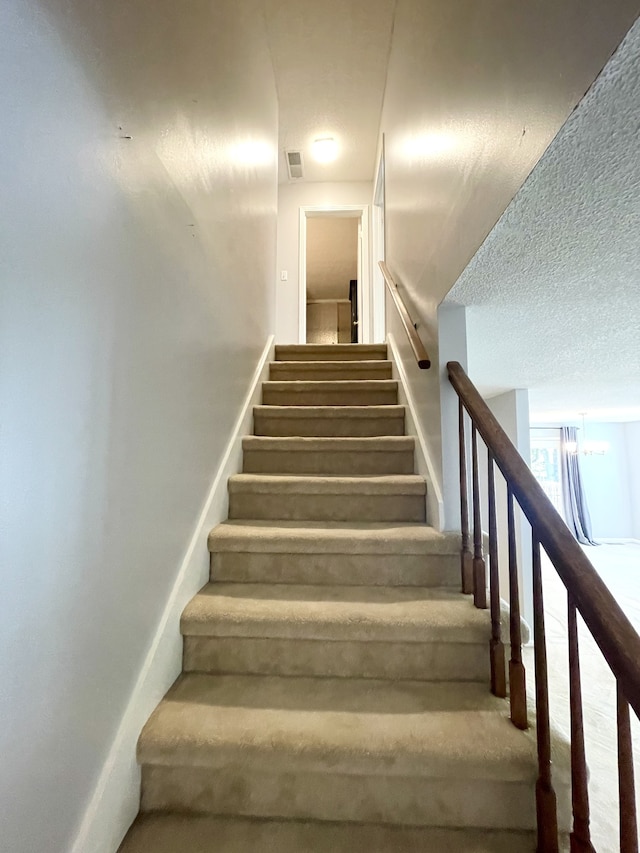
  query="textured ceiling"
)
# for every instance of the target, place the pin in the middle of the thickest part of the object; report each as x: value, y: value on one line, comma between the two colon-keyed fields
x: 330, y: 62
x: 554, y: 291
x: 332, y: 256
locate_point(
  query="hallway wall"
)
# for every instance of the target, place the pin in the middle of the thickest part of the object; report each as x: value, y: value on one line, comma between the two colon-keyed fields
x: 475, y: 93
x: 137, y: 267
x: 632, y: 437
x: 608, y: 481
x: 291, y: 197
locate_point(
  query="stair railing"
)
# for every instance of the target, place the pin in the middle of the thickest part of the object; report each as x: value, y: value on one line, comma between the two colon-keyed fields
x: 586, y: 594
x: 419, y: 351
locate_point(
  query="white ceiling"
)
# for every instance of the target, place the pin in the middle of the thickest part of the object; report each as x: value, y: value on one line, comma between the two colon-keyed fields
x: 554, y: 292
x: 330, y: 62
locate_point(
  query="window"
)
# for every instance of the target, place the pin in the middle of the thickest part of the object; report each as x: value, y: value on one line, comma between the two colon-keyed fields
x: 545, y: 464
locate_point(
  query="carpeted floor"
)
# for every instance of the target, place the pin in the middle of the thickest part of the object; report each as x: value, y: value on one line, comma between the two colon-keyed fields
x: 619, y: 567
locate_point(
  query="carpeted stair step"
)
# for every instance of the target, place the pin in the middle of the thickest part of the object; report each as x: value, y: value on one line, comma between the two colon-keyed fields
x: 356, y: 421
x: 360, y: 554
x: 349, y: 456
x: 401, y: 752
x: 399, y: 497
x: 329, y: 370
x: 331, y: 352
x: 173, y: 833
x: 341, y: 631
x: 353, y: 392
x: 335, y: 693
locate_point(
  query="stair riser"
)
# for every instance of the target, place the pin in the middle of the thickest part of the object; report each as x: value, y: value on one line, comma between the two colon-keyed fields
x: 328, y: 462
x: 253, y: 791
x: 330, y: 427
x: 330, y: 397
x: 293, y: 352
x: 349, y: 569
x: 265, y: 656
x: 318, y: 507
x: 283, y: 372
x: 159, y: 833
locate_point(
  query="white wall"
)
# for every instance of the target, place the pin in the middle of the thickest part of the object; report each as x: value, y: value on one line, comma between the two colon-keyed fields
x: 511, y: 410
x: 291, y: 197
x: 632, y: 440
x: 607, y: 482
x: 137, y: 290
x: 452, y: 346
x: 475, y: 92
x: 611, y: 481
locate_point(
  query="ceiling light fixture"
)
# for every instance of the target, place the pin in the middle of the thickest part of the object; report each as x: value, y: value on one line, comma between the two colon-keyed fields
x: 325, y: 149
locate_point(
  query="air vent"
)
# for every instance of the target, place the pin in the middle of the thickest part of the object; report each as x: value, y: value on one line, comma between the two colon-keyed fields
x: 294, y: 165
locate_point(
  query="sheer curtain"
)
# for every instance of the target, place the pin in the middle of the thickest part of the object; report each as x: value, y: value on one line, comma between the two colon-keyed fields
x: 575, y: 503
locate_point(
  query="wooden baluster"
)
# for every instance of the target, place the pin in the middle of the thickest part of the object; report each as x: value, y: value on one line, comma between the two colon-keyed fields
x: 517, y: 676
x: 546, y: 809
x: 580, y: 836
x: 626, y: 783
x: 479, y: 570
x: 496, y: 646
x: 466, y: 560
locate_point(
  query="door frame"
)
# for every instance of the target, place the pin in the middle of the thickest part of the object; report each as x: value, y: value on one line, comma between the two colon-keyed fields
x: 378, y: 253
x: 345, y: 211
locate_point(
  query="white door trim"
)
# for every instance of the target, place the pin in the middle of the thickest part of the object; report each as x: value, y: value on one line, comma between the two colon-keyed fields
x: 378, y: 318
x: 357, y: 211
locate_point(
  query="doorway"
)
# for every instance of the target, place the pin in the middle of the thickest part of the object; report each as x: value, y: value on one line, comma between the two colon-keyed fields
x: 332, y: 280
x: 334, y: 275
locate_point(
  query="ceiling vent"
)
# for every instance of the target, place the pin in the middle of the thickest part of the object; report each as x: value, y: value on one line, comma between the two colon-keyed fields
x: 294, y: 165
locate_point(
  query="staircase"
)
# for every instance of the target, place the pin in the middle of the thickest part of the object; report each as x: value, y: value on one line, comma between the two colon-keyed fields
x: 335, y: 687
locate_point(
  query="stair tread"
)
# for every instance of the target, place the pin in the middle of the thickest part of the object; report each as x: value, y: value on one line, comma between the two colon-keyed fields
x: 328, y: 484
x: 333, y: 363
x: 168, y: 833
x: 369, y: 364
x: 330, y: 444
x: 376, y: 411
x: 330, y: 384
x: 335, y: 613
x: 332, y: 537
x: 338, y: 725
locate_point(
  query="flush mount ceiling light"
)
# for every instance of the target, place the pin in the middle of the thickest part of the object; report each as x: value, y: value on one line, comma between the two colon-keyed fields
x: 325, y: 149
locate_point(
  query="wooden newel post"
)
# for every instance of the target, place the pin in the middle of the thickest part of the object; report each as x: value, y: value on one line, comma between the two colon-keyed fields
x: 466, y: 560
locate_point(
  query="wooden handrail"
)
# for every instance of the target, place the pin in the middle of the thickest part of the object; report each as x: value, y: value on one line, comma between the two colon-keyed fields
x: 612, y: 631
x: 422, y: 356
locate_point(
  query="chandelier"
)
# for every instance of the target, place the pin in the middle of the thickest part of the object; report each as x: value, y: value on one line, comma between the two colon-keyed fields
x: 587, y: 447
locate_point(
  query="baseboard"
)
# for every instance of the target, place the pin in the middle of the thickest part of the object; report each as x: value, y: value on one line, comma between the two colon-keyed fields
x: 115, y: 799
x: 413, y: 427
x: 610, y: 541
